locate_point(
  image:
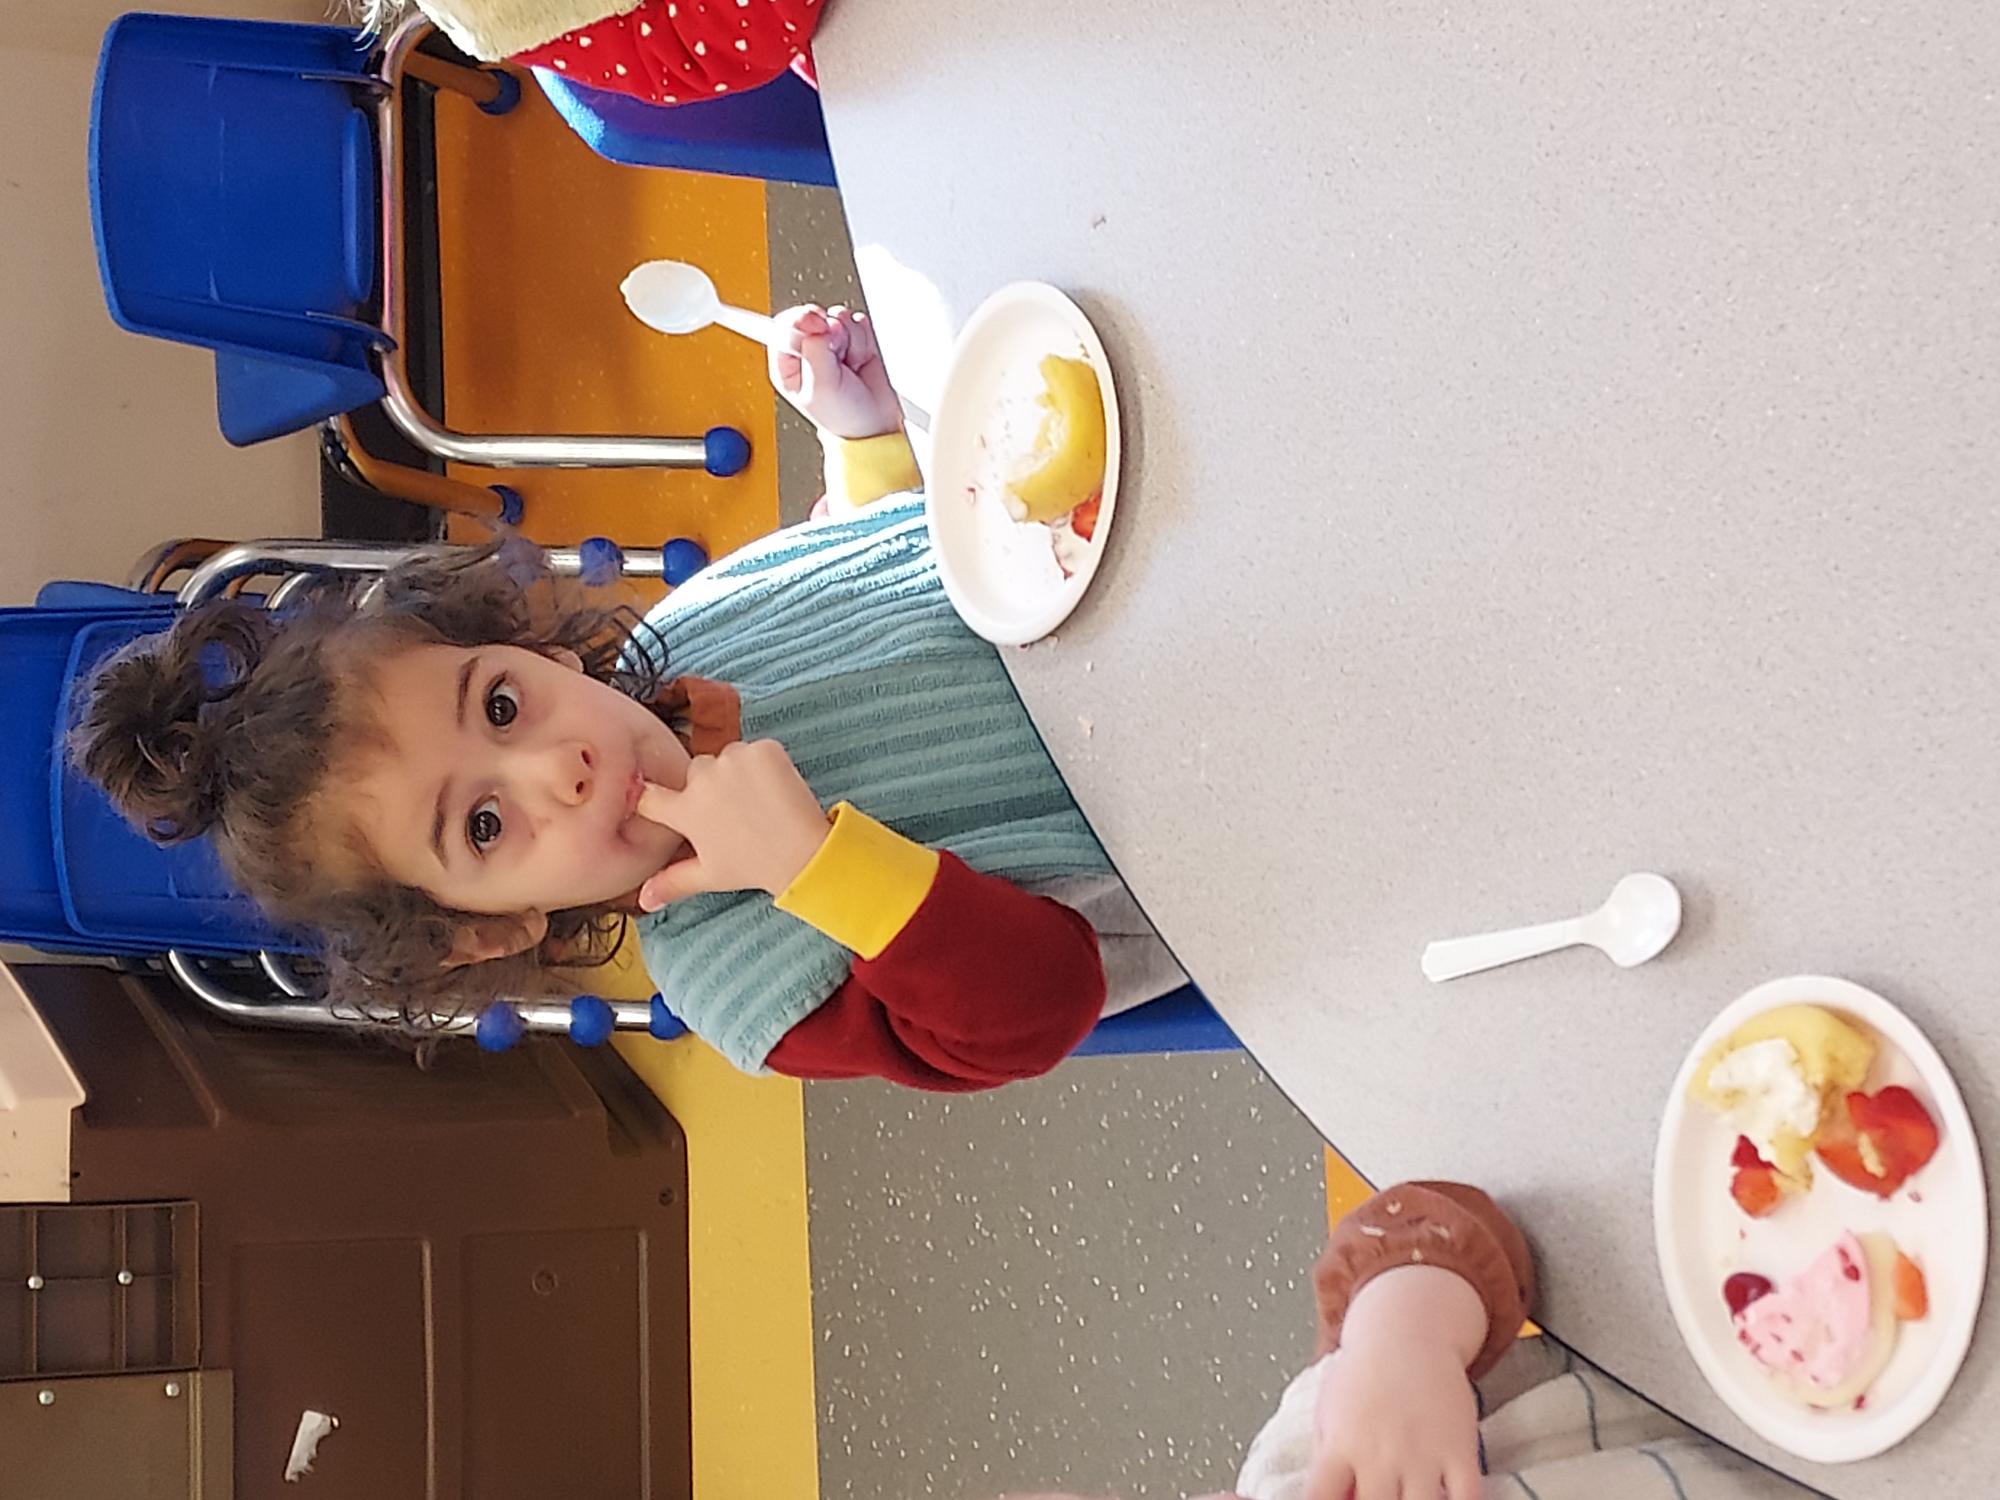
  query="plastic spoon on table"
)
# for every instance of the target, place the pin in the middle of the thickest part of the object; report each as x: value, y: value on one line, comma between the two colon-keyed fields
x: 1633, y: 926
x: 672, y: 296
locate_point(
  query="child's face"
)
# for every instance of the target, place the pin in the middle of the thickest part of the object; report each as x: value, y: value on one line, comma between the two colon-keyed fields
x: 508, y: 781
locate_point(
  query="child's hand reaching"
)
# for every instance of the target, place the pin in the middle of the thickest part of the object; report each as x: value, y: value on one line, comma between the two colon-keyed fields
x: 750, y: 820
x: 828, y: 365
x: 1397, y: 1416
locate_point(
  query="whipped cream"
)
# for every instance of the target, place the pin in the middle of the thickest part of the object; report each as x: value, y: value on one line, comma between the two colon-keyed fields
x: 1770, y: 1091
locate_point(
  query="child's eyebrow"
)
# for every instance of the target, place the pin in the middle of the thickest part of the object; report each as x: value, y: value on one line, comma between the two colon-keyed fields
x: 465, y: 685
x: 437, y: 824
x: 458, y: 713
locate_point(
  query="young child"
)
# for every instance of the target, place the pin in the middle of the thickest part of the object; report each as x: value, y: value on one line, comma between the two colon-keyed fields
x: 665, y: 52
x: 1422, y: 1385
x: 469, y: 781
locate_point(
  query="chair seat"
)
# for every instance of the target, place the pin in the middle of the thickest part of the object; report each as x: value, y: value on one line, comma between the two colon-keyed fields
x: 1183, y: 1021
x: 774, y: 132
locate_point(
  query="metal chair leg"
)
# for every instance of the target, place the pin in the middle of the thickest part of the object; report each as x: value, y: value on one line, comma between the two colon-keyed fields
x: 493, y: 89
x: 151, y: 573
x: 237, y: 564
x: 418, y: 486
x: 546, y: 1017
x: 722, y: 451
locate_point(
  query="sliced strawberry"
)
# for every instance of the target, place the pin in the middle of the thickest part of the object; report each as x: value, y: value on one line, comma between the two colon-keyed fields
x: 1877, y: 1142
x: 1756, y: 1191
x: 1083, y: 520
x: 1913, y: 1295
x: 1755, y: 1185
x: 1744, y: 1288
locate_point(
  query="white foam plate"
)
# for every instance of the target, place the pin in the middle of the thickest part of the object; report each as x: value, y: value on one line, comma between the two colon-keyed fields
x: 1938, y: 1218
x: 1001, y: 574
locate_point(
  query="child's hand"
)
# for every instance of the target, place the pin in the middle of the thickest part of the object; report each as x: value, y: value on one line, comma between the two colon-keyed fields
x: 1397, y: 1415
x: 749, y: 818
x: 828, y: 365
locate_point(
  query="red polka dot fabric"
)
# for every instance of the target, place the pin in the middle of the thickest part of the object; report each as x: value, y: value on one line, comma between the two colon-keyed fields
x: 682, y: 51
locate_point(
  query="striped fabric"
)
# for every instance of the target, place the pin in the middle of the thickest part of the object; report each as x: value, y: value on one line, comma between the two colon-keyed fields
x: 839, y: 639
x: 1554, y: 1428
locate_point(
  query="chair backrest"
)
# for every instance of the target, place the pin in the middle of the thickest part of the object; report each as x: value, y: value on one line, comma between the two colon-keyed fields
x: 233, y: 193
x: 74, y: 877
x: 116, y: 885
x: 35, y: 646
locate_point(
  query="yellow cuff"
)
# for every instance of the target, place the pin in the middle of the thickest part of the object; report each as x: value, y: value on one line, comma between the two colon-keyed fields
x: 860, y: 471
x: 864, y: 885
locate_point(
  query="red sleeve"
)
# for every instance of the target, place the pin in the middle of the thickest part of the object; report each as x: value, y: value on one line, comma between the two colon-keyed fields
x: 678, y: 51
x: 986, y: 985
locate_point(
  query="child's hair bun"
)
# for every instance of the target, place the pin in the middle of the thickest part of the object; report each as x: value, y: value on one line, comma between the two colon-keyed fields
x: 156, y: 729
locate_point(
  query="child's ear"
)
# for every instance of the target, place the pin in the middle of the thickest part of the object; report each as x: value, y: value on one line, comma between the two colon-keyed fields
x: 566, y: 656
x: 483, y: 939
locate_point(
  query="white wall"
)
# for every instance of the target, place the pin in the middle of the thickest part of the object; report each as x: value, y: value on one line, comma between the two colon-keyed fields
x: 108, y: 441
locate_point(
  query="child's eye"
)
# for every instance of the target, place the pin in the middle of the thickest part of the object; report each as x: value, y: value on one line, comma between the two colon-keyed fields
x: 503, y: 704
x: 484, y: 827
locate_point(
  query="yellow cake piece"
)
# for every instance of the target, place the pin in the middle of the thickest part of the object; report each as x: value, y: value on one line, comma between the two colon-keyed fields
x: 1832, y: 1055
x: 1068, y: 457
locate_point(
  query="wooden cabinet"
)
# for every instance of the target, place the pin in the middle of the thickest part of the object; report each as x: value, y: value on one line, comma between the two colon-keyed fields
x: 116, y: 1437
x: 480, y: 1269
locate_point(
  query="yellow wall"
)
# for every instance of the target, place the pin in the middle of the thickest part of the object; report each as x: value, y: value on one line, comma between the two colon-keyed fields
x: 110, y: 439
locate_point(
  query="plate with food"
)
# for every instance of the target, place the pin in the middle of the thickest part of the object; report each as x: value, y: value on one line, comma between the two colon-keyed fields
x: 1024, y: 463
x: 1820, y: 1215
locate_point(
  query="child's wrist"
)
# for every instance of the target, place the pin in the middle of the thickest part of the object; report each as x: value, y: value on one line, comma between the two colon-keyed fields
x: 800, y: 852
x: 860, y: 471
x: 860, y: 432
x: 1417, y: 1304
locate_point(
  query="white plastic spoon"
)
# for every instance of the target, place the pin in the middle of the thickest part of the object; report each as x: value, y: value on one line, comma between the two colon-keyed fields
x: 1633, y: 926
x: 671, y: 296
x: 675, y: 297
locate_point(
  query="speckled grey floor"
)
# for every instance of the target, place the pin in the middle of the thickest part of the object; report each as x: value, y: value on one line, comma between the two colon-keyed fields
x: 1093, y: 1282
x: 811, y: 261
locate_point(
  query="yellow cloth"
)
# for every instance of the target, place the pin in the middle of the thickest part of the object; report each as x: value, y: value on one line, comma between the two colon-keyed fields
x: 860, y: 471
x: 492, y: 30
x: 864, y: 884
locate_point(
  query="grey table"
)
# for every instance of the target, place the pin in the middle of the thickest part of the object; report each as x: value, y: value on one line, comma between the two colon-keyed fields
x: 1562, y: 440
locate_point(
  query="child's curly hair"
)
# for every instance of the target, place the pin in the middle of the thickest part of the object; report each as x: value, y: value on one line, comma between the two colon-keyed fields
x: 232, y: 724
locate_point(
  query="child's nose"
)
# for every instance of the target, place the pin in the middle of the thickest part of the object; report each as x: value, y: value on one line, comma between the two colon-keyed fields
x: 574, y: 774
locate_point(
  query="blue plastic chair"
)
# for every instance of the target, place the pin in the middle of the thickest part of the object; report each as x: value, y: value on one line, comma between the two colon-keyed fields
x: 241, y: 204
x: 35, y: 646
x: 74, y: 878
x: 116, y: 885
x: 232, y: 190
x: 775, y: 132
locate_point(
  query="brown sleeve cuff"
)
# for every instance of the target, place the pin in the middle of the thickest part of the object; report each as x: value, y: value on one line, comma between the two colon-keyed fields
x: 1444, y: 1224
